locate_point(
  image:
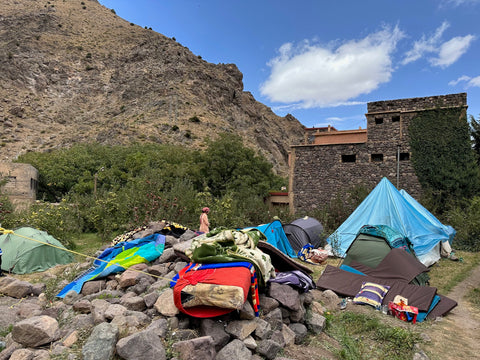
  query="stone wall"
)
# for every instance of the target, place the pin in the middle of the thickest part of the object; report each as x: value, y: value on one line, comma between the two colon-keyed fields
x: 21, y: 183
x: 318, y: 173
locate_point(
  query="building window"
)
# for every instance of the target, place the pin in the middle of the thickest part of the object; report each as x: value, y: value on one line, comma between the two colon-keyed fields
x: 11, y: 182
x: 404, y: 156
x: 396, y: 118
x: 349, y: 158
x: 376, y: 157
x: 379, y: 120
x: 33, y: 184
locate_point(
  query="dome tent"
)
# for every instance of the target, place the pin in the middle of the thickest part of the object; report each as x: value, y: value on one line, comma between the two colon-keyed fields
x: 303, y: 231
x: 29, y: 250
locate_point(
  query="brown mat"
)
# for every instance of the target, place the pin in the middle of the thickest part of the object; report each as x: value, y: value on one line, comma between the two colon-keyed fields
x: 444, y: 306
x: 348, y: 284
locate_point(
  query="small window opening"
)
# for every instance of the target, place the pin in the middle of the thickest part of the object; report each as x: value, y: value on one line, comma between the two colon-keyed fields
x: 404, y: 156
x: 379, y: 120
x: 376, y: 157
x: 349, y: 158
x: 396, y: 118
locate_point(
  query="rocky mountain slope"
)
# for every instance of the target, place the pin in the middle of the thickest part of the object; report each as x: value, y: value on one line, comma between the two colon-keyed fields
x: 73, y: 71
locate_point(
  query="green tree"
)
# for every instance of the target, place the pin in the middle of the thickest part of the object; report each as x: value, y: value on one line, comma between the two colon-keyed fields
x: 230, y: 166
x: 475, y: 135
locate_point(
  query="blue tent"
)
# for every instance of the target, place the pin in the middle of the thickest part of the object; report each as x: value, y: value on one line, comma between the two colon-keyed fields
x: 276, y: 237
x: 419, y: 207
x: 385, y: 205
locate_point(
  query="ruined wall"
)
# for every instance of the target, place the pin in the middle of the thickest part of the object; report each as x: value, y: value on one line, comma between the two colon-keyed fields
x: 21, y: 183
x: 319, y: 172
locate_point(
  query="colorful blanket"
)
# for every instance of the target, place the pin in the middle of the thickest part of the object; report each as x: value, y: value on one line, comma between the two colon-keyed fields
x: 119, y: 258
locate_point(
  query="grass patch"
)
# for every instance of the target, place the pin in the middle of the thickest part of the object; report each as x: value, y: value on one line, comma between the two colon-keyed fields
x: 87, y: 244
x: 445, y: 274
x: 474, y: 297
x: 364, y: 336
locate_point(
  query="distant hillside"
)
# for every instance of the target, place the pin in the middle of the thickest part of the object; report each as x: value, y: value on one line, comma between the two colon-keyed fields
x: 73, y: 71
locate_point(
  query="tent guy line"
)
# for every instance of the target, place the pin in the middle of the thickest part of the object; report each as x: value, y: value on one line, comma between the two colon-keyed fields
x: 6, y: 231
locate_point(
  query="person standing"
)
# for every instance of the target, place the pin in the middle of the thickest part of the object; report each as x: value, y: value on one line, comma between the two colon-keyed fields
x: 1, y: 274
x: 204, y: 223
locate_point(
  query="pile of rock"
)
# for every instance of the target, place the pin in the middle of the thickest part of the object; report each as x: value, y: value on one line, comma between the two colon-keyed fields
x: 133, y: 316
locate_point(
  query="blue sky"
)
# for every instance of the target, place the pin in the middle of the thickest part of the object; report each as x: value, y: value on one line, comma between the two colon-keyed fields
x: 322, y: 61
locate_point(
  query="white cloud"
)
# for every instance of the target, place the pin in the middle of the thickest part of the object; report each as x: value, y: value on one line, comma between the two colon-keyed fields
x: 444, y: 53
x: 451, y: 50
x: 319, y: 76
x: 459, y: 2
x: 470, y: 82
x: 425, y: 45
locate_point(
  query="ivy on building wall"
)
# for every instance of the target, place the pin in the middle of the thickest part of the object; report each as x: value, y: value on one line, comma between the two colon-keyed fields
x: 442, y: 155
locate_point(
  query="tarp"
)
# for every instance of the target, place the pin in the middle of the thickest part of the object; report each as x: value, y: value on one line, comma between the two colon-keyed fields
x: 385, y: 205
x: 119, y: 258
x: 30, y: 250
x: 276, y: 237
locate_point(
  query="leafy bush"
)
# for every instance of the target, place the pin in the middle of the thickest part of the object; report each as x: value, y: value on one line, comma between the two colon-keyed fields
x: 466, y: 221
x: 60, y: 220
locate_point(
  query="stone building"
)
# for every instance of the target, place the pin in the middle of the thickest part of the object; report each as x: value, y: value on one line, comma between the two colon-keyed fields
x: 21, y: 181
x: 331, y: 162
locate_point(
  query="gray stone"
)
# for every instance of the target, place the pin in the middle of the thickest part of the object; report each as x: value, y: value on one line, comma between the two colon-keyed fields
x: 82, y: 306
x: 35, y: 331
x: 165, y: 305
x: 274, y: 318
x: 135, y: 303
x: 247, y: 312
x: 144, y: 345
x: 300, y: 331
x: 235, y: 349
x: 267, y: 304
x: 268, y: 349
x: 101, y: 343
x: 216, y: 330
x: 241, y: 328
x: 288, y: 335
x: 263, y: 330
x: 114, y: 310
x: 150, y: 299
x: 201, y: 348
x: 159, y: 327
x: 17, y: 289
x: 316, y: 323
x: 285, y: 295
x: 250, y: 343
x: 93, y: 287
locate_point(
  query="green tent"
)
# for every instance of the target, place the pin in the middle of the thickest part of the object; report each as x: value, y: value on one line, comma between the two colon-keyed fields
x: 30, y: 250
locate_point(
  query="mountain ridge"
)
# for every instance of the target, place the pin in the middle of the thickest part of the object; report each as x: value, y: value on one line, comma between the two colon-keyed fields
x: 73, y: 71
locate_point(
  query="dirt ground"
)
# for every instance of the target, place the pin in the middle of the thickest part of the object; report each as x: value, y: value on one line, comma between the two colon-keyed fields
x: 455, y: 336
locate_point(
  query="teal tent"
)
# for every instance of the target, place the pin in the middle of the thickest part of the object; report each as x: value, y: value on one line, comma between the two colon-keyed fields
x: 29, y: 250
x: 385, y: 205
x: 276, y: 237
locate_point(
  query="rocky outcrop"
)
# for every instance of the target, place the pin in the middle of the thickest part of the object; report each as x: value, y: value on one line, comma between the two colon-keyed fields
x: 132, y: 315
x: 79, y: 73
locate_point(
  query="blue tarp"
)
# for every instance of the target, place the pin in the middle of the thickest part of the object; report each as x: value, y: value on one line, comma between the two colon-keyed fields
x: 276, y: 237
x: 385, y: 205
x: 118, y: 258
